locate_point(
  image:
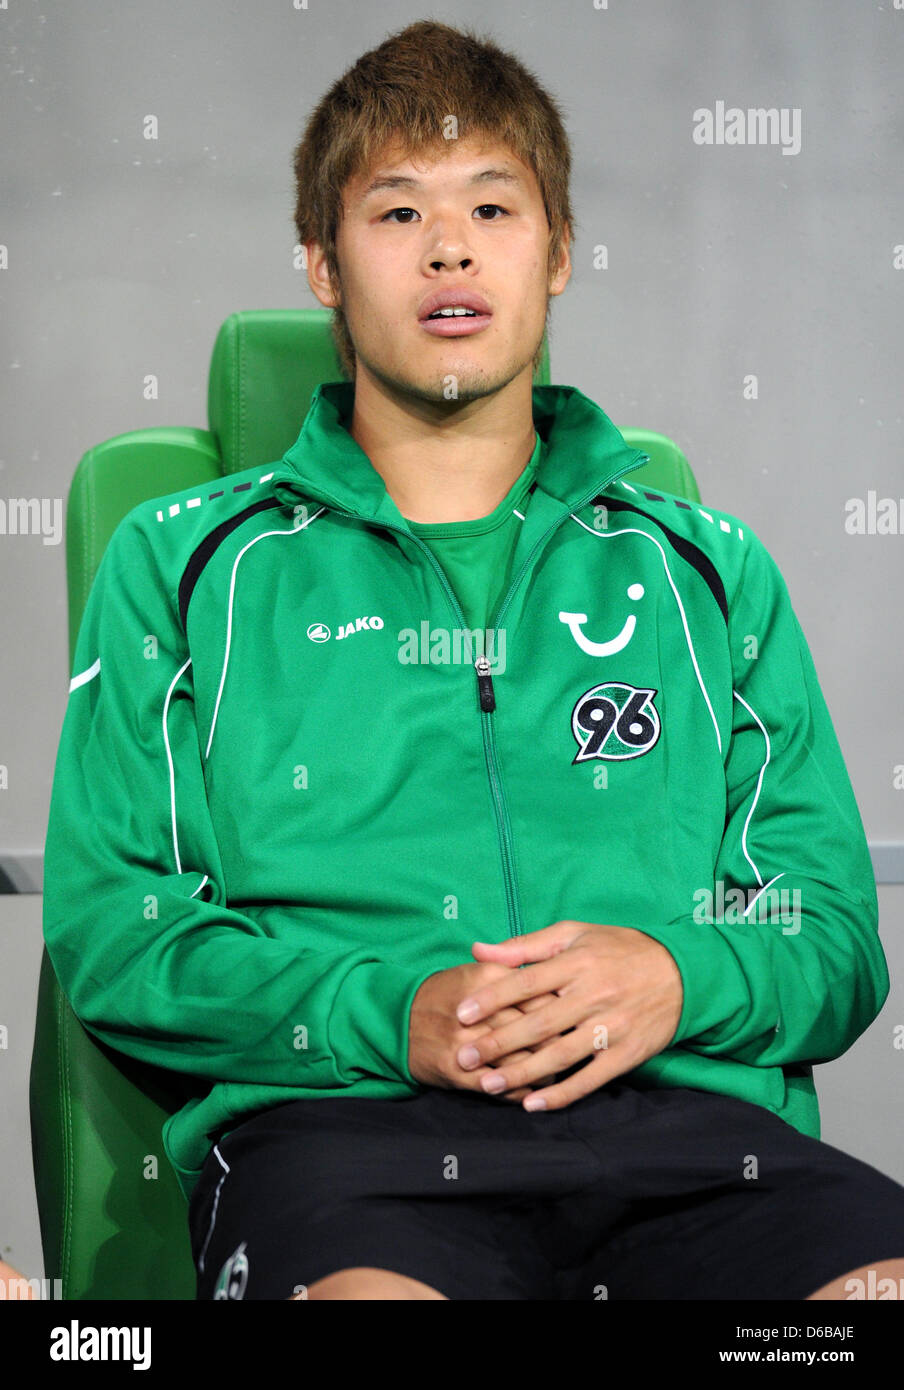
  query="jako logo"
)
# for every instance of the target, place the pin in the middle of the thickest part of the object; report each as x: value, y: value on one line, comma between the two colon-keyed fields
x: 319, y: 632
x: 755, y: 126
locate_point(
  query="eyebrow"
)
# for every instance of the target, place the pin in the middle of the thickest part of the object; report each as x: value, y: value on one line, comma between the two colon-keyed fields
x: 386, y: 181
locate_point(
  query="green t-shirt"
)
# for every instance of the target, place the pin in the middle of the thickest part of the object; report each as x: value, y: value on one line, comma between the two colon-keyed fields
x: 476, y: 555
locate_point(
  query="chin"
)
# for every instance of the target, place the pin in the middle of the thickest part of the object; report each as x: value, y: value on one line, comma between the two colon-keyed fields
x: 471, y: 382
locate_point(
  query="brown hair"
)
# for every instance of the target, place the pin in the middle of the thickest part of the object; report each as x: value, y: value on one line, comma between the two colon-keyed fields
x: 405, y: 90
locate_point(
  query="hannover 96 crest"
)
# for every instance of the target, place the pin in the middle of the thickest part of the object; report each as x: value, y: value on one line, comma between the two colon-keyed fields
x: 614, y: 721
x: 233, y: 1277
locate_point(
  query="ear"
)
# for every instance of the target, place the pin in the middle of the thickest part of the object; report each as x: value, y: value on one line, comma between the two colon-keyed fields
x: 318, y: 276
x: 563, y: 272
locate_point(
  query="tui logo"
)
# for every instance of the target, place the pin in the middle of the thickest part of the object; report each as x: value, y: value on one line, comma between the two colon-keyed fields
x: 575, y: 623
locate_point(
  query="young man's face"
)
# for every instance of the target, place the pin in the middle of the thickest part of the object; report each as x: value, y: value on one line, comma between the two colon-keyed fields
x: 471, y: 221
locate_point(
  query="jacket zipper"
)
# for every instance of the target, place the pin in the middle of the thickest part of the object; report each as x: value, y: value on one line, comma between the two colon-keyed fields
x: 488, y: 707
x: 487, y: 694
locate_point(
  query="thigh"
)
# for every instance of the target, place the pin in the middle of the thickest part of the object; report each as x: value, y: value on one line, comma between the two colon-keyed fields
x: 432, y: 1186
x: 734, y: 1204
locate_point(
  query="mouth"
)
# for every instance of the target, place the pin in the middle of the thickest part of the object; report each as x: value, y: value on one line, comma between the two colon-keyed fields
x: 455, y: 321
x: 455, y: 311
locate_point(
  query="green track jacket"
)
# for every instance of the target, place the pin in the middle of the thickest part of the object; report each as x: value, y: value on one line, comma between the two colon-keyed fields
x: 287, y: 790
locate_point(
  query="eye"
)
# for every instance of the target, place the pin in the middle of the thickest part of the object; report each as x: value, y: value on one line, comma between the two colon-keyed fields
x: 393, y: 213
x: 483, y: 207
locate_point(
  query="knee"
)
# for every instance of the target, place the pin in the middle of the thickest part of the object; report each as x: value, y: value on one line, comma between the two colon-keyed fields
x: 366, y: 1282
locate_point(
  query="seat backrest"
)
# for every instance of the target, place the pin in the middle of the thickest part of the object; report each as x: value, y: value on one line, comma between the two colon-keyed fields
x: 113, y: 1218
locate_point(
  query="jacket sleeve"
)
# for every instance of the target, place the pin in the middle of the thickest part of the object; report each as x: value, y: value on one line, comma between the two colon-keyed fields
x: 143, y: 942
x: 787, y: 966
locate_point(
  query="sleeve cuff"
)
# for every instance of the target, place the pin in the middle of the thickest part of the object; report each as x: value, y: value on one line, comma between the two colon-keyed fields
x: 716, y: 993
x: 370, y: 1019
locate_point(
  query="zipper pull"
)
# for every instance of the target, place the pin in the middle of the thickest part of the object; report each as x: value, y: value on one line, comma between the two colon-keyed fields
x: 485, y: 684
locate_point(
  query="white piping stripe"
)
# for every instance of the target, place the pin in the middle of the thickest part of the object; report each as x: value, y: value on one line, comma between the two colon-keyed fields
x: 633, y: 531
x: 85, y: 676
x: 200, y: 886
x: 169, y: 759
x: 254, y: 540
x: 216, y: 1200
x: 762, y: 891
x: 758, y: 786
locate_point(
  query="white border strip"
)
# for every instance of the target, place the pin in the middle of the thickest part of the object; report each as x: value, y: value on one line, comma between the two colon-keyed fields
x: 169, y: 759
x: 762, y: 891
x: 759, y: 784
x: 216, y: 1201
x: 85, y: 676
x: 295, y: 531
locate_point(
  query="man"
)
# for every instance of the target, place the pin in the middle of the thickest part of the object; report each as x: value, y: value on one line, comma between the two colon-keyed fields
x: 442, y: 919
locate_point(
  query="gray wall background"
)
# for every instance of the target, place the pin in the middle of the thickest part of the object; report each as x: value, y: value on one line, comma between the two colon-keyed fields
x: 125, y: 255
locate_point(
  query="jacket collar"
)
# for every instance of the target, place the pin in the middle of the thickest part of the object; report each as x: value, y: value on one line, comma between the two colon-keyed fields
x: 583, y: 452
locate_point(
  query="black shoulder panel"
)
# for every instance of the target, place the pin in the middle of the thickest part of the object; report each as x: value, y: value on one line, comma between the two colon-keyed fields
x: 685, y: 548
x: 207, y: 547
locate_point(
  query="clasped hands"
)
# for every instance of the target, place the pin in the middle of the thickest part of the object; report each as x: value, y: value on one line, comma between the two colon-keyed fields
x: 588, y: 990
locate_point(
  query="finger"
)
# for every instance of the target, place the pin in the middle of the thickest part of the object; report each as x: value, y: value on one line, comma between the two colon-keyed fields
x: 498, y: 1020
x: 545, y: 977
x: 537, y: 1001
x: 471, y: 1077
x: 525, y: 1090
x: 556, y: 1056
x: 510, y: 1014
x: 530, y: 1029
x: 522, y: 1091
x: 515, y: 1097
x: 581, y: 1083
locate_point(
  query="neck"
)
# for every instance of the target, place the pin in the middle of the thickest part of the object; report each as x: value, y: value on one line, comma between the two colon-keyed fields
x: 449, y: 460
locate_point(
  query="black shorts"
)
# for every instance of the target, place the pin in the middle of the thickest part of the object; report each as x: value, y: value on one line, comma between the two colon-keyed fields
x: 629, y: 1193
